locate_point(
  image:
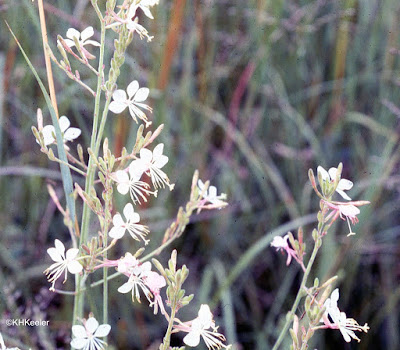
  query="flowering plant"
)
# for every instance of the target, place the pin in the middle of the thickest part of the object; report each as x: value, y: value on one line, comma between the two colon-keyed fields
x: 139, y: 172
x: 319, y: 307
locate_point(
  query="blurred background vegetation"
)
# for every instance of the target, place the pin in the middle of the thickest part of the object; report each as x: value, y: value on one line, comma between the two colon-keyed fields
x: 253, y: 94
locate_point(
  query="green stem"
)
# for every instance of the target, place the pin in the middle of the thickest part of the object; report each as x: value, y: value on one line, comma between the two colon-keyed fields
x: 79, y: 297
x: 167, y: 338
x: 299, y: 295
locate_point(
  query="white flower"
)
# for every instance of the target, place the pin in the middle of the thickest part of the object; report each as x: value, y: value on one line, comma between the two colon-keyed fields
x: 131, y: 224
x: 155, y: 282
x: 144, y: 5
x: 86, y: 337
x: 82, y: 38
x: 211, y: 194
x: 347, y: 326
x: 69, y: 134
x: 134, y: 100
x: 3, y: 346
x: 199, y: 328
x: 330, y: 176
x: 136, y: 281
x: 63, y: 262
x: 131, y: 183
x: 152, y: 162
x: 127, y: 264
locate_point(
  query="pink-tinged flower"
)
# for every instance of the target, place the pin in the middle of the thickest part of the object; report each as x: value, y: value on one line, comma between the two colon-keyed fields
x: 141, y: 277
x: 136, y: 281
x: 335, y: 319
x: 199, y: 328
x: 68, y: 134
x: 82, y: 38
x: 152, y: 162
x: 63, y: 262
x: 86, y: 336
x: 129, y: 181
x: 134, y: 101
x: 211, y: 194
x: 155, y: 282
x: 130, y: 224
x: 347, y: 211
x: 281, y: 243
x: 330, y: 176
x: 127, y: 264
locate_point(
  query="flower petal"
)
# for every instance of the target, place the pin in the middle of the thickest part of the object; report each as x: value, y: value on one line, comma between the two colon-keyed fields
x: 125, y: 288
x: 192, y: 339
x: 74, y: 267
x: 92, y: 42
x: 48, y: 133
x: 141, y: 95
x: 129, y: 211
x: 343, y: 194
x: 205, y: 316
x: 123, y: 188
x: 87, y: 33
x: 72, y: 134
x: 132, y: 88
x: 117, y: 232
x: 147, y: 12
x: 55, y: 255
x: 71, y: 33
x: 136, y: 169
x: 72, y: 253
x: 121, y: 176
x: 117, y: 107
x: 60, y: 247
x: 146, y: 155
x: 64, y: 123
x: 323, y: 173
x: 161, y: 161
x: 118, y: 221
x: 69, y: 42
x: 79, y: 343
x: 349, y: 210
x: 345, y: 184
x: 119, y: 96
x: 91, y: 325
x: 332, y: 173
x: 79, y: 331
x: 102, y: 331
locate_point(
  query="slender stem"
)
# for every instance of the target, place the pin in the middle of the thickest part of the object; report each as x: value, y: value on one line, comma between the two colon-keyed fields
x: 299, y: 295
x: 79, y: 171
x: 79, y: 298
x: 167, y: 338
x: 47, y: 57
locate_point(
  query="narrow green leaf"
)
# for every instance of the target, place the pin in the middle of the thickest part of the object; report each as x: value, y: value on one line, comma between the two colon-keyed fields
x: 65, y: 171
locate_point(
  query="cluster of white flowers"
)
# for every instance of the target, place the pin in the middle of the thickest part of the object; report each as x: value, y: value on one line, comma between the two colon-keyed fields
x: 132, y: 21
x: 141, y: 279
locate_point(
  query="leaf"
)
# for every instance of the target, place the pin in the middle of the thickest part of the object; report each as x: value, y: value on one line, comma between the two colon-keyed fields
x: 65, y: 171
